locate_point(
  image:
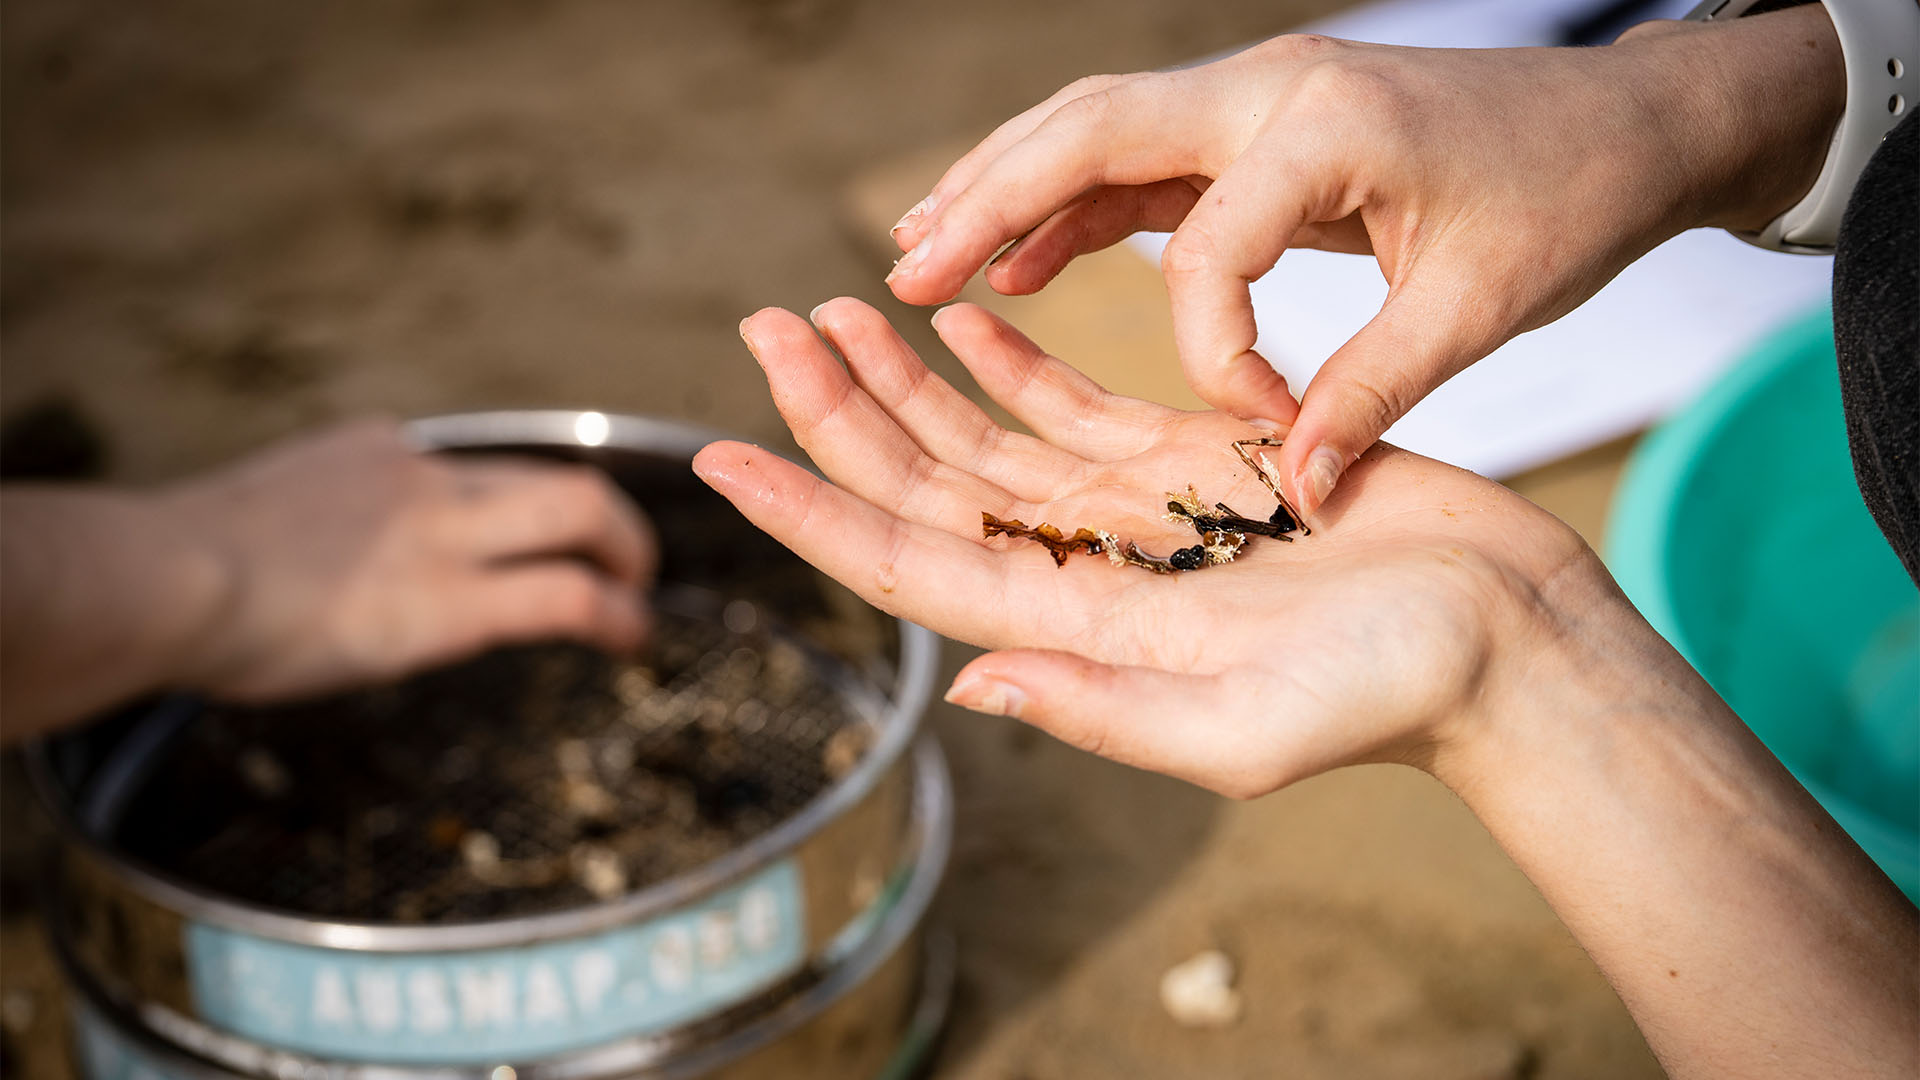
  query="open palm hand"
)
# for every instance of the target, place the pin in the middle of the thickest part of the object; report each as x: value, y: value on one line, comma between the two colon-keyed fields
x: 1373, y: 638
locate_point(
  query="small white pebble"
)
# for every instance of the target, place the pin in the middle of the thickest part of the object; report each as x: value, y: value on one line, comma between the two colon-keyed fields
x: 1199, y: 993
x: 589, y: 800
x: 750, y: 716
x: 263, y: 773
x: 634, y: 685
x: 599, y: 871
x: 844, y: 750
x: 739, y: 616
x: 480, y: 850
x: 575, y: 757
x: 616, y: 755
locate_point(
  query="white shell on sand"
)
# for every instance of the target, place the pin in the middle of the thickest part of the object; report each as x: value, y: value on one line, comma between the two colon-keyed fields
x: 1199, y: 992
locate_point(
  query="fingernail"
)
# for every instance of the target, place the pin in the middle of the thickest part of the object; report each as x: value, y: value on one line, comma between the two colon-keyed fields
x: 1322, y: 472
x: 743, y: 330
x: 910, y: 263
x: 814, y: 315
x: 989, y: 696
x: 919, y: 211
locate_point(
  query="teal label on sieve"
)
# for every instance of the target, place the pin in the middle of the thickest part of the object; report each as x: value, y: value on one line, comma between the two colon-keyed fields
x: 511, y: 1003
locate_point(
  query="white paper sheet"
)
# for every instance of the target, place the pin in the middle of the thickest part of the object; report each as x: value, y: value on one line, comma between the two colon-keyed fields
x: 1643, y: 346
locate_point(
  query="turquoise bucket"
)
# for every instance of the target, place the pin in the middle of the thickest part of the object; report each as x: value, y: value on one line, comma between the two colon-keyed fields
x: 1739, y: 532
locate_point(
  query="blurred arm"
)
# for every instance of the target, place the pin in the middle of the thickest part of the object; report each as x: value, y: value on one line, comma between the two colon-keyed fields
x: 102, y: 596
x: 335, y: 559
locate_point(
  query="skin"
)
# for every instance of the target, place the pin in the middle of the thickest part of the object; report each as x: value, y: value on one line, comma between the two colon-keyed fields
x: 1497, y: 189
x: 329, y: 561
x: 1433, y: 619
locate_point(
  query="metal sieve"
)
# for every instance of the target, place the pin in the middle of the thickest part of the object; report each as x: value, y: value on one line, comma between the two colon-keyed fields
x: 544, y: 859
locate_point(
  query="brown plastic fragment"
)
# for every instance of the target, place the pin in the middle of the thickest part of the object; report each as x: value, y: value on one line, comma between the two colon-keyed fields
x: 1058, y: 545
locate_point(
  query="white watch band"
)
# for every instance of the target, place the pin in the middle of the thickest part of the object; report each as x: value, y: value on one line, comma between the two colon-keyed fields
x: 1880, y: 41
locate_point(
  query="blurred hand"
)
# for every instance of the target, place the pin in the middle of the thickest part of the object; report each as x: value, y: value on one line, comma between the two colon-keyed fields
x: 1379, y: 636
x: 1498, y: 189
x: 348, y: 557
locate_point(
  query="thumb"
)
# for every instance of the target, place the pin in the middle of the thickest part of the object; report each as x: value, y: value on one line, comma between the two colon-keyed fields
x: 1145, y: 717
x: 1398, y: 358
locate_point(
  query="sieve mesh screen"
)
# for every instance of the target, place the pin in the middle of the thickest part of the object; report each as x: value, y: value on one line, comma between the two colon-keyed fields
x: 530, y: 779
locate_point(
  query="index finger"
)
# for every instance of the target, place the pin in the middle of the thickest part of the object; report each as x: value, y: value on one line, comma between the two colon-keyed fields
x: 948, y: 584
x: 1133, y: 132
x: 962, y: 172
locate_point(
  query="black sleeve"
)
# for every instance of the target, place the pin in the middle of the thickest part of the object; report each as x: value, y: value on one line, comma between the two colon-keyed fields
x: 1876, y: 332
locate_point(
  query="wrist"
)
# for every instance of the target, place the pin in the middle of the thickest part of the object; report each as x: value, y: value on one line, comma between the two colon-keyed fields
x: 108, y: 595
x: 1571, y: 657
x: 1747, y: 110
x: 197, y: 582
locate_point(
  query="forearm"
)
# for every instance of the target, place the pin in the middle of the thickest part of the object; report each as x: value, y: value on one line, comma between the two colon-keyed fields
x: 102, y: 597
x: 1748, y: 935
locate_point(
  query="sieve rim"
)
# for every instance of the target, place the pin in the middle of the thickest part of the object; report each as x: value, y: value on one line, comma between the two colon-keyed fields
x: 666, y: 1055
x: 557, y: 428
